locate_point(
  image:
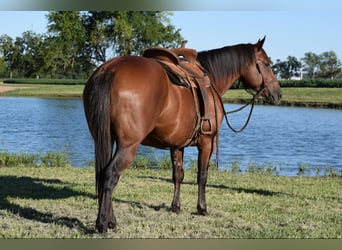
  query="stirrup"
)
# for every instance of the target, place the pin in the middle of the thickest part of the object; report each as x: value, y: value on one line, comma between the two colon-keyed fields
x: 210, y: 131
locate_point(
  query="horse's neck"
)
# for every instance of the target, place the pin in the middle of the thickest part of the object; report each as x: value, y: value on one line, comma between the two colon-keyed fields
x: 226, y: 84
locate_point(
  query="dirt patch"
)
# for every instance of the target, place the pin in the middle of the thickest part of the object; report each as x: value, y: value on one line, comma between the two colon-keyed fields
x: 9, y: 88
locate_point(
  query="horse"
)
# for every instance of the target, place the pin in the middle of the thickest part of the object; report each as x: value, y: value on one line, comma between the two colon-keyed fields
x: 130, y: 100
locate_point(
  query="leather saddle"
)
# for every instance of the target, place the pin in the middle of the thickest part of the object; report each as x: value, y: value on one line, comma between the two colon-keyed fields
x: 183, y: 69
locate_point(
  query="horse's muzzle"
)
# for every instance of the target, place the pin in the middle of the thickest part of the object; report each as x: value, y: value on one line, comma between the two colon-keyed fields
x: 274, y: 97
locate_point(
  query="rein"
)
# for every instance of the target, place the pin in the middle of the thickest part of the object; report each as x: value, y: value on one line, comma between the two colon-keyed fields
x: 253, y: 100
x: 252, y: 103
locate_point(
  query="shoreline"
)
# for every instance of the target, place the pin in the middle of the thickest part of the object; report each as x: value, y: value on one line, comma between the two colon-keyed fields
x: 28, y: 91
x: 285, y: 103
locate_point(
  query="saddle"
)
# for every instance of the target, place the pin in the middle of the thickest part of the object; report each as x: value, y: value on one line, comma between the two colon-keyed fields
x: 183, y: 69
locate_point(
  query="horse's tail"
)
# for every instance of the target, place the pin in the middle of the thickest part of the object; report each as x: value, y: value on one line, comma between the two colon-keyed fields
x: 96, y: 97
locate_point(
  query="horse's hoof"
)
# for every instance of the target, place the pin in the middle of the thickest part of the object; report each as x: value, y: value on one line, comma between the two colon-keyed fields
x: 202, y: 212
x: 112, y: 224
x: 175, y: 209
x: 101, y: 228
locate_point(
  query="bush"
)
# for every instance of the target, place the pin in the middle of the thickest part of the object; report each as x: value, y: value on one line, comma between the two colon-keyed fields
x: 311, y: 83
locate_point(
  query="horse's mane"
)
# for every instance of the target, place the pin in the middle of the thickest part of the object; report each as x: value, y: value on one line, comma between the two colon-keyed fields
x: 227, y: 61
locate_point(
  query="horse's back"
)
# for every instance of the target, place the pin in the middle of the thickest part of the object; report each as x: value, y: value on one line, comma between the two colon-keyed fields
x: 144, y: 105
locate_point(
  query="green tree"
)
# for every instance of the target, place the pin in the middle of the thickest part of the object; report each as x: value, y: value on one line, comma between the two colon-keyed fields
x: 287, y: 69
x: 311, y: 64
x: 66, y: 42
x: 329, y: 65
x: 6, y: 50
x: 33, y: 52
x: 128, y: 32
x: 3, y: 68
x: 75, y: 42
x: 24, y: 56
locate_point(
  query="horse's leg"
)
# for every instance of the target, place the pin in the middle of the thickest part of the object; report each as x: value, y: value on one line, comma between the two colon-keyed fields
x: 177, y: 176
x: 205, y: 151
x: 123, y: 157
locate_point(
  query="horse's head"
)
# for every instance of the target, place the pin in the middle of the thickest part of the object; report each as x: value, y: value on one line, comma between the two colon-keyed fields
x: 260, y: 77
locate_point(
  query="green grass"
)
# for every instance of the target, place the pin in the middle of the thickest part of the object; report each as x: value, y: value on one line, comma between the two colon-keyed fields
x: 295, y: 95
x: 44, y: 90
x: 50, y: 159
x: 40, y: 202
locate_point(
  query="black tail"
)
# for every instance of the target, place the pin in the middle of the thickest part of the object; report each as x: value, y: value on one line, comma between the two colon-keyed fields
x: 96, y: 100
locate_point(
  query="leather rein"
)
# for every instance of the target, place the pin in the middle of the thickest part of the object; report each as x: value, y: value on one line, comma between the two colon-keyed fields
x: 252, y: 102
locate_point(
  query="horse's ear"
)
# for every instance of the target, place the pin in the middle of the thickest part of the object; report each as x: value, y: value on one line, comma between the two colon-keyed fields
x: 260, y: 43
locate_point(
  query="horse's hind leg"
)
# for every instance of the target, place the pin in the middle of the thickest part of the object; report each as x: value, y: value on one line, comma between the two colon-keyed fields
x: 123, y: 157
x: 205, y: 151
x: 177, y: 176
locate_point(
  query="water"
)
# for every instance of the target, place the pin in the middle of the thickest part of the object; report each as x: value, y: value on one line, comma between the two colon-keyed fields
x: 283, y: 137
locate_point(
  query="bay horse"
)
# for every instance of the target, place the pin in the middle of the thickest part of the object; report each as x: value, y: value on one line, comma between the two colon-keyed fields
x: 130, y: 100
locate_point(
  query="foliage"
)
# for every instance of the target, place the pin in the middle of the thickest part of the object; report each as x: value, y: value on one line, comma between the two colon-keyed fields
x: 326, y: 65
x: 303, y: 83
x: 76, y: 42
x: 50, y: 159
x: 66, y: 42
x: 288, y: 68
x: 311, y: 61
x: 311, y: 83
x: 329, y: 66
x: 13, y: 160
x: 127, y: 32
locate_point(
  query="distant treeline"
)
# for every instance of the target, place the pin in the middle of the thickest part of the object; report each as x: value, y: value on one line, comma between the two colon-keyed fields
x: 304, y: 83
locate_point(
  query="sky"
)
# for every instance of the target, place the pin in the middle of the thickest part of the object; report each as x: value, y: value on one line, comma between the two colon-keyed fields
x: 288, y: 32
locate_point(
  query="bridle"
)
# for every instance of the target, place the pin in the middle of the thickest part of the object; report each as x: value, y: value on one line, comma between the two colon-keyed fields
x: 255, y: 96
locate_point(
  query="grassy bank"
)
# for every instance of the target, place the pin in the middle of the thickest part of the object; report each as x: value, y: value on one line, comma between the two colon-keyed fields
x: 308, y: 97
x: 311, y: 97
x: 44, y: 90
x: 60, y: 202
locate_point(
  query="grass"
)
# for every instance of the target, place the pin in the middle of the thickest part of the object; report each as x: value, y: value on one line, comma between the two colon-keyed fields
x: 50, y: 159
x: 60, y: 202
x: 296, y: 96
x: 44, y: 90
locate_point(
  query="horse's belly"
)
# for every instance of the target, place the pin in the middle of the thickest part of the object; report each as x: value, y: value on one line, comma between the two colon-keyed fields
x: 175, y: 134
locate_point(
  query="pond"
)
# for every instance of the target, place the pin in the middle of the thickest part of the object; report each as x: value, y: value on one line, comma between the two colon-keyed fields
x: 284, y: 138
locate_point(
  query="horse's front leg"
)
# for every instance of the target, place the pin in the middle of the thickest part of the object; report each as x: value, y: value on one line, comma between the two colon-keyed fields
x: 177, y: 176
x: 205, y: 151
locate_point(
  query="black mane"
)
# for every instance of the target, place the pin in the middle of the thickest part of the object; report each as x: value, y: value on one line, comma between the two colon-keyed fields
x: 227, y: 61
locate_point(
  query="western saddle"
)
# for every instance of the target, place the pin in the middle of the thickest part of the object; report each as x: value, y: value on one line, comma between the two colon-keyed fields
x: 183, y: 69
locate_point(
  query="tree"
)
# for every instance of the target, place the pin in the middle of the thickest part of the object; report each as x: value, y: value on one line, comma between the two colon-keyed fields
x: 287, y: 69
x: 33, y: 52
x: 2, y: 67
x: 329, y: 66
x: 6, y: 49
x: 67, y: 38
x: 128, y: 32
x: 24, y: 56
x: 76, y: 42
x: 311, y: 62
